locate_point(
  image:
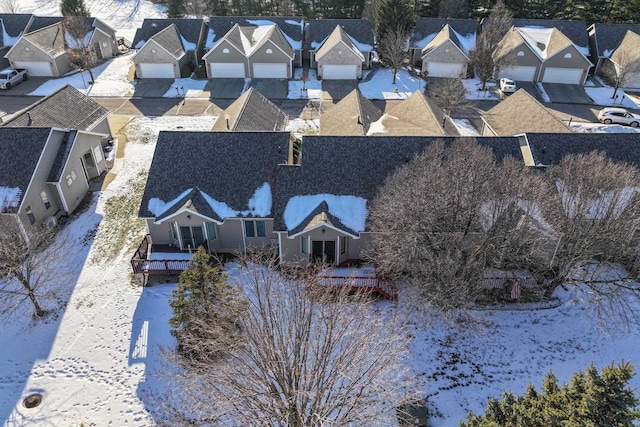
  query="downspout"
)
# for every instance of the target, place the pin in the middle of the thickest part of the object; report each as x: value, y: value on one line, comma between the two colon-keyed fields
x: 244, y: 238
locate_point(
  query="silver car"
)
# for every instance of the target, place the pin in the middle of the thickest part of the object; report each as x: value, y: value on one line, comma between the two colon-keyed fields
x: 618, y: 115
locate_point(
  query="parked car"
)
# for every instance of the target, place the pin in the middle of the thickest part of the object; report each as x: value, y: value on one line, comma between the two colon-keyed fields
x: 618, y: 115
x: 507, y: 85
x: 11, y: 77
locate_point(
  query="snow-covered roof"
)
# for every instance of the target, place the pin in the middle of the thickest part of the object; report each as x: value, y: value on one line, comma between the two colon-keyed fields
x: 538, y: 38
x: 350, y: 210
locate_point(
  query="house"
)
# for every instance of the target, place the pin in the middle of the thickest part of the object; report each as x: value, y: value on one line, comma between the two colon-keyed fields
x: 614, y: 46
x: 251, y: 112
x: 45, y: 173
x: 253, y: 51
x: 340, y: 48
x: 542, y: 54
x: 520, y: 113
x: 43, y: 49
x: 352, y: 115
x: 313, y: 210
x: 291, y: 26
x: 12, y: 26
x: 66, y: 108
x: 166, y: 46
x: 429, y: 34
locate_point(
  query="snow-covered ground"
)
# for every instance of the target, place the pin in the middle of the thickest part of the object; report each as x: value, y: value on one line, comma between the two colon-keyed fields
x: 97, y: 359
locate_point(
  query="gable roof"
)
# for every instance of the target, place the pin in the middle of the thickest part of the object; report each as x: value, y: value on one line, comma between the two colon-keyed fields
x: 65, y: 108
x: 447, y: 33
x: 338, y: 35
x: 49, y: 39
x: 416, y: 115
x: 251, y: 112
x: 576, y: 31
x: 360, y: 31
x: 520, y: 113
x: 549, y: 149
x: 352, y: 115
x: 510, y: 41
x: 609, y: 36
x: 337, y: 168
x: 20, y: 152
x: 237, y: 166
x: 248, y: 39
x: 273, y: 34
x: 12, y: 26
x: 62, y: 156
x: 291, y: 26
x: 170, y: 39
x: 426, y: 29
x: 628, y: 50
x: 545, y: 42
x: 189, y: 30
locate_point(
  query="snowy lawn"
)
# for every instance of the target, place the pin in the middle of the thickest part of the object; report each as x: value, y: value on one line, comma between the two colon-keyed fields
x: 381, y: 86
x: 465, y: 128
x: 602, y: 128
x: 313, y: 86
x: 602, y: 96
x: 474, y: 90
x: 186, y: 88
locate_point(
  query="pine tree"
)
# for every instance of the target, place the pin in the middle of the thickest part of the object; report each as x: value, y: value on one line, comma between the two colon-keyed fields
x: 206, y: 309
x: 73, y: 8
x: 394, y: 15
x: 175, y: 9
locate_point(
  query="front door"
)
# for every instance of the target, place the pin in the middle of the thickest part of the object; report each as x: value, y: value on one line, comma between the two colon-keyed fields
x: 192, y: 237
x: 323, y: 251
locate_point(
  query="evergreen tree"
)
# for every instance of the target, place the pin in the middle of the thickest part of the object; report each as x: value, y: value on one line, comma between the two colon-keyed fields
x: 73, y: 8
x: 589, y: 399
x: 206, y: 311
x: 394, y: 15
x: 175, y: 9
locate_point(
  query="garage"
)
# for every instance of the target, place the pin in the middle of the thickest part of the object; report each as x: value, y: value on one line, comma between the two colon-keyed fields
x: 226, y: 70
x: 444, y: 69
x: 571, y: 76
x: 340, y: 72
x: 270, y: 71
x: 156, y: 71
x: 520, y: 73
x: 42, y: 69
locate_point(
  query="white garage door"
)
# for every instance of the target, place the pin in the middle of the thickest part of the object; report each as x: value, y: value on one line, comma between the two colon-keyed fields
x: 226, y: 70
x: 520, y: 73
x: 36, y: 68
x: 157, y: 71
x: 443, y: 69
x: 562, y: 75
x: 270, y: 71
x: 340, y: 72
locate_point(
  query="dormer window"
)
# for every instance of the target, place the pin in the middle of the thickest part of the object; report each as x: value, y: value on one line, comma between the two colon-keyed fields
x: 521, y: 53
x: 567, y: 56
x: 269, y: 51
x: 225, y: 50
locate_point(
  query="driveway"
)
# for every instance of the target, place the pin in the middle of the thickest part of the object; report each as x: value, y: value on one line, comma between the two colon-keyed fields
x: 531, y: 90
x: 25, y: 87
x: 271, y: 88
x: 335, y: 90
x: 224, y: 88
x: 566, y: 94
x: 152, y: 88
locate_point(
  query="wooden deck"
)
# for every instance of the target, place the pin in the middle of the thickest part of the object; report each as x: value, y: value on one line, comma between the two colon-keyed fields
x: 357, y: 276
x: 142, y: 264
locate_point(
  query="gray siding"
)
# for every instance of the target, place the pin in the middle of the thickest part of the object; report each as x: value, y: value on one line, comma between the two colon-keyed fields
x: 217, y: 55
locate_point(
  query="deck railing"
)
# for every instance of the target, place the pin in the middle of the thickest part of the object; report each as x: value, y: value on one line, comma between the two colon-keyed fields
x: 142, y: 265
x: 365, y: 283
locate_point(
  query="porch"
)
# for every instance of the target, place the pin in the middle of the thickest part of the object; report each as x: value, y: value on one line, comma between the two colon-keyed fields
x: 159, y: 259
x: 357, y: 278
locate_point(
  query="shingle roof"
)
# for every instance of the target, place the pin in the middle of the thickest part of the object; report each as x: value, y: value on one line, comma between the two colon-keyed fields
x: 61, y: 157
x: 358, y: 166
x: 576, y: 31
x: 549, y: 148
x: 188, y: 28
x: 338, y: 35
x: 14, y: 24
x: 251, y: 112
x: 275, y: 35
x: 49, y: 39
x: 521, y: 113
x: 628, y: 50
x: 427, y: 28
x: 40, y: 22
x: 20, y: 151
x: 446, y: 33
x: 227, y: 166
x: 510, y: 41
x: 169, y: 38
x: 291, y: 26
x: 352, y: 115
x: 361, y: 30
x: 416, y: 115
x: 609, y: 36
x: 65, y: 108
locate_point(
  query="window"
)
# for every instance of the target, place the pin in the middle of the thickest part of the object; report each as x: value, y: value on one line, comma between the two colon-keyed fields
x: 45, y: 200
x: 30, y: 215
x: 521, y: 53
x: 269, y: 51
x: 343, y: 245
x: 225, y: 50
x: 304, y: 245
x: 153, y: 51
x: 211, y: 230
x: 73, y: 175
x: 567, y: 56
x: 255, y: 229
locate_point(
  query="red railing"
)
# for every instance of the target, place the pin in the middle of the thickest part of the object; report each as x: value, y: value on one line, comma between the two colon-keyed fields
x: 366, y: 283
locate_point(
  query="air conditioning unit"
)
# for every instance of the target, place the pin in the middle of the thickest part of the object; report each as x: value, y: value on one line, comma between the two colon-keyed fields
x: 50, y: 222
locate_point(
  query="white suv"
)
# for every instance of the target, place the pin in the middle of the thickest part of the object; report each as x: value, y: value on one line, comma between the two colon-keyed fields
x: 618, y: 115
x: 507, y: 85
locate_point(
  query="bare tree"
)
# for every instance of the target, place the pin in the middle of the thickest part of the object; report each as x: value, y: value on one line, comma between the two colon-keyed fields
x: 485, y: 58
x: 449, y: 93
x: 77, y: 39
x: 10, y: 6
x: 308, y: 356
x: 30, y: 261
x: 196, y: 8
x: 393, y: 50
x: 621, y: 69
x: 452, y: 9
